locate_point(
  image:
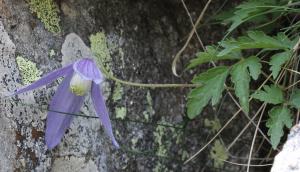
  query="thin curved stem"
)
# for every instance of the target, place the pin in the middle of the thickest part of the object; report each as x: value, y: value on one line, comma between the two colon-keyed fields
x: 177, y: 56
x: 112, y: 77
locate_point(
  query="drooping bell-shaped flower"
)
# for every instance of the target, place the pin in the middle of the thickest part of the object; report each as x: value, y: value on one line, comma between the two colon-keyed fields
x: 81, y: 77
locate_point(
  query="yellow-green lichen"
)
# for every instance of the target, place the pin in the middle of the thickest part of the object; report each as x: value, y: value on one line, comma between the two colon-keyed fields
x: 122, y: 54
x: 134, y: 142
x: 121, y: 112
x: 149, y: 101
x: 214, y: 124
x: 28, y: 70
x: 47, y: 11
x: 218, y: 154
x: 159, y: 167
x: 158, y: 138
x: 100, y: 49
x: 184, y: 155
x: 164, y: 137
x: 118, y: 92
x: 149, y: 109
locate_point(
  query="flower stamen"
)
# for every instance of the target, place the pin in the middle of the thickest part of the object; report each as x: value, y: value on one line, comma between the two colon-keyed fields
x: 79, y: 86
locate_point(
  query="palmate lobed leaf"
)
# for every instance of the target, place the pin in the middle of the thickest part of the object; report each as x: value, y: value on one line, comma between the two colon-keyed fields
x: 278, y: 60
x: 295, y: 99
x: 213, y: 85
x: 255, y: 40
x: 252, y: 11
x: 271, y: 94
x: 211, y: 55
x: 244, y: 11
x: 279, y: 117
x: 240, y: 76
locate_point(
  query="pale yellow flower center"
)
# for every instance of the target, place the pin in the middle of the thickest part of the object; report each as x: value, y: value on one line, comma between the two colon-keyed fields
x: 79, y: 86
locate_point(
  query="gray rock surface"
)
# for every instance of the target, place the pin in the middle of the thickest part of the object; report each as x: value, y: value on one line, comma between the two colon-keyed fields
x: 288, y: 160
x: 8, y: 149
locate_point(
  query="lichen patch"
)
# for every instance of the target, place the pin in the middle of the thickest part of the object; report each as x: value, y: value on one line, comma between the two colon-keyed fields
x: 28, y: 70
x: 47, y: 11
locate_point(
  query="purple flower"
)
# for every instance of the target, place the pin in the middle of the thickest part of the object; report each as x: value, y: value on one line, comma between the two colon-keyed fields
x: 81, y: 77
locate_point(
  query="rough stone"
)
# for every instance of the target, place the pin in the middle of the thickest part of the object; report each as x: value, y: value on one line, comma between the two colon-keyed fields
x: 74, y: 164
x: 8, y: 149
x: 288, y: 160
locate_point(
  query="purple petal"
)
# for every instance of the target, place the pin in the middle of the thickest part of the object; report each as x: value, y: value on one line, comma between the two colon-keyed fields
x: 88, y: 70
x: 102, y: 112
x: 50, y: 77
x: 62, y: 101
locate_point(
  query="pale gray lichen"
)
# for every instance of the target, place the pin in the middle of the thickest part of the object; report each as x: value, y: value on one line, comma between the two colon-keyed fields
x: 52, y: 53
x: 121, y: 112
x: 28, y: 70
x: 74, y: 164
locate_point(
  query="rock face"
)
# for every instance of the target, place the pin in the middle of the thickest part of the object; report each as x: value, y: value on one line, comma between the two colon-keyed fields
x: 7, y: 124
x: 136, y: 41
x: 288, y: 160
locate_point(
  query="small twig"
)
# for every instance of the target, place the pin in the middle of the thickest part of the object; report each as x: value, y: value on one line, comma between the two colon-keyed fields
x: 177, y: 56
x: 260, y: 146
x: 215, y: 136
x: 191, y: 20
x: 251, y: 165
x: 244, y: 129
x: 288, y: 87
x: 268, y: 155
x: 255, y: 133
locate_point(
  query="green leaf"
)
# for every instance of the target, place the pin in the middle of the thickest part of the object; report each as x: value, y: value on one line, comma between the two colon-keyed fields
x: 243, y: 12
x: 295, y: 99
x: 271, y: 94
x: 285, y: 40
x: 211, y: 55
x: 213, y: 85
x: 254, y: 66
x: 252, y: 11
x: 278, y: 118
x: 264, y: 41
x: 240, y: 76
x: 277, y: 61
x: 254, y: 40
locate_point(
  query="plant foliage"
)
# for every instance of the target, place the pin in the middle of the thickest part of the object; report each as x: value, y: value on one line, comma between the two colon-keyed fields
x: 240, y: 76
x: 271, y: 94
x: 250, y: 54
x: 213, y: 85
x: 295, y: 99
x: 279, y: 117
